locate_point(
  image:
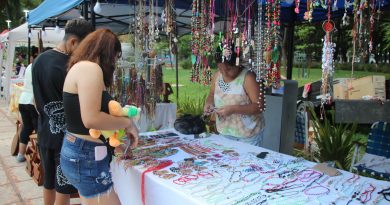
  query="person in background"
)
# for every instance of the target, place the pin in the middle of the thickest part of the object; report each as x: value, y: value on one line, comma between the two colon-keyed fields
x: 48, y: 75
x: 22, y: 71
x: 234, y: 97
x: 85, y: 161
x: 19, y: 64
x: 28, y: 113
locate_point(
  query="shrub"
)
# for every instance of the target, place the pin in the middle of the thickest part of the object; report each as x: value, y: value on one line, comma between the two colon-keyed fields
x: 334, y: 141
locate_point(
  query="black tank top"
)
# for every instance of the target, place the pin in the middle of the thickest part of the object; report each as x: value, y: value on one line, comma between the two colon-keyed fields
x: 73, y: 120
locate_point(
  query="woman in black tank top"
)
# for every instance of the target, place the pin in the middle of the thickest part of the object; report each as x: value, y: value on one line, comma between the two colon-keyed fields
x: 85, y: 100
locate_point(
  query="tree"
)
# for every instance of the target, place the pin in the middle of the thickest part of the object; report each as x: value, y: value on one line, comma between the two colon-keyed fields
x: 13, y: 10
x: 309, y: 40
x: 386, y: 35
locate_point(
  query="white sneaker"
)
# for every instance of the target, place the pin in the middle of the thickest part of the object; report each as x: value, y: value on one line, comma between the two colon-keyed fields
x: 20, y: 158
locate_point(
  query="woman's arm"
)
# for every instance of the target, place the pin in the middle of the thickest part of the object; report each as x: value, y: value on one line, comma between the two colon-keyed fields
x: 252, y: 89
x: 90, y: 86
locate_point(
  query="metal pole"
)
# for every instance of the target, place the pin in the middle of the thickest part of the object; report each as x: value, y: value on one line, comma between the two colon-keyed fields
x: 93, y: 21
x: 290, y: 48
x: 177, y: 75
x: 85, y: 10
x: 28, y: 45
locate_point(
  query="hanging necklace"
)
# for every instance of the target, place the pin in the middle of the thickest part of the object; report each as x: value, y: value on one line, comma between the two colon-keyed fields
x: 327, y: 61
x: 372, y: 21
x: 202, y: 34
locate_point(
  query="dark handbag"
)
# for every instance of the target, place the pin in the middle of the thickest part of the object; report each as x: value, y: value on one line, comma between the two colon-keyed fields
x: 190, y: 124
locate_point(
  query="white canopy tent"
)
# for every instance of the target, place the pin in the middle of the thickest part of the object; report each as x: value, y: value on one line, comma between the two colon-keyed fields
x: 20, y: 35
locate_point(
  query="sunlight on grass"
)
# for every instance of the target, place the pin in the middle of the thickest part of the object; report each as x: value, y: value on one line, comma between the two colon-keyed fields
x: 196, y: 90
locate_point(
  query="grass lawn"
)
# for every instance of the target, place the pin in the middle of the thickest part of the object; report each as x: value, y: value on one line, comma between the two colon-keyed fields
x: 195, y: 90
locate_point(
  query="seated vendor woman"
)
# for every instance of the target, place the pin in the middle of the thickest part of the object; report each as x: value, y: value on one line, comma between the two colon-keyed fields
x: 234, y: 97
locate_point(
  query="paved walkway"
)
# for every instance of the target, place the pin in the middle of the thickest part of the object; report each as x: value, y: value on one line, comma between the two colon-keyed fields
x: 16, y: 186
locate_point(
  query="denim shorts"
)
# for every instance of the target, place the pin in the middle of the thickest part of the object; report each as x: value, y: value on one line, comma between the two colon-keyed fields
x: 90, y: 177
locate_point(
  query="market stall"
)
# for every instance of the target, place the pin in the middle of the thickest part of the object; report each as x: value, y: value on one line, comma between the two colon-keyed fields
x: 20, y: 35
x: 169, y: 168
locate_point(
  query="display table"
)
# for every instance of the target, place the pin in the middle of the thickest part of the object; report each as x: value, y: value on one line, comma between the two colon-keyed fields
x: 221, y: 171
x: 165, y: 116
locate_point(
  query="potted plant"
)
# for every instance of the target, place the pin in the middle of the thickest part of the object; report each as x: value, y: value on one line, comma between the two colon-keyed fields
x: 334, y: 142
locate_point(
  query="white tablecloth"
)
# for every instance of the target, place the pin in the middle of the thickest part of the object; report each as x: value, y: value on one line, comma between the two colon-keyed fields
x: 236, y: 178
x: 165, y: 116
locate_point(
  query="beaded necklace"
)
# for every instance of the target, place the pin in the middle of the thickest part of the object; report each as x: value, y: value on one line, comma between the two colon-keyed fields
x: 367, y: 194
x: 372, y: 23
x: 246, y: 198
x: 151, y: 26
x: 202, y: 34
x: 309, y: 11
x: 327, y: 62
x: 272, y: 53
x: 195, y: 149
x: 317, y: 190
x: 259, y: 64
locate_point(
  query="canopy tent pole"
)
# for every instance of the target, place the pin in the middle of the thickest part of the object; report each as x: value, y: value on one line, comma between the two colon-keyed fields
x: 1, y: 59
x: 177, y: 75
x: 290, y: 45
x: 85, y: 10
x: 8, y: 69
x: 93, y: 20
x: 28, y: 45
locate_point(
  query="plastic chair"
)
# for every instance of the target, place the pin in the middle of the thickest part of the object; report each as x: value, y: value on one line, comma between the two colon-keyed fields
x: 376, y: 161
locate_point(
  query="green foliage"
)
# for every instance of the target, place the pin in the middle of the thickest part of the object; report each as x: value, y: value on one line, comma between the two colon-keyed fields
x: 184, y: 46
x: 386, y: 34
x: 186, y: 87
x: 308, y: 40
x: 381, y: 68
x: 185, y: 64
x: 334, y: 141
x: 13, y: 10
x: 162, y: 45
x: 189, y: 105
x: 185, y: 52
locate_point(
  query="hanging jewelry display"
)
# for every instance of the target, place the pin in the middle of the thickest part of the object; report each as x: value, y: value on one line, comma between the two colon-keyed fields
x: 259, y: 65
x: 202, y: 33
x: 152, y: 29
x: 309, y: 11
x: 354, y: 32
x: 153, y: 89
x: 345, y: 18
x: 140, y: 36
x: 297, y: 2
x: 327, y: 61
x: 169, y: 24
x: 372, y: 23
x: 272, y: 50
